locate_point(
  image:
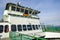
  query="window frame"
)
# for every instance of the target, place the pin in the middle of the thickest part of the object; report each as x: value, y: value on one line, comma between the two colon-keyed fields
x: 30, y: 12
x: 30, y: 27
x: 5, y: 28
x: 20, y: 28
x: 40, y: 27
x: 24, y: 28
x: 14, y: 8
x: 18, y: 9
x: 2, y: 28
x: 34, y: 27
x: 14, y: 29
x: 22, y: 10
x: 26, y: 11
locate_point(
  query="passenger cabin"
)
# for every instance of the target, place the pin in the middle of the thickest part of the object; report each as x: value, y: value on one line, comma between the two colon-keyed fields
x: 20, y: 19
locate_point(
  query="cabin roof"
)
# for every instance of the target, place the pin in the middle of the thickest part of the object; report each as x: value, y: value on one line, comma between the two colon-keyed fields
x: 8, y: 4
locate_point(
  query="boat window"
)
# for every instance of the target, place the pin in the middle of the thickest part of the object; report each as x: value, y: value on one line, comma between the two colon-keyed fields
x: 6, y: 28
x: 29, y: 27
x: 1, y: 28
x: 19, y: 27
x: 13, y: 8
x: 35, y: 12
x: 24, y: 27
x: 13, y: 27
x: 18, y: 9
x: 22, y: 10
x: 36, y: 27
x: 33, y: 26
x: 39, y: 26
x: 30, y: 12
x: 26, y: 11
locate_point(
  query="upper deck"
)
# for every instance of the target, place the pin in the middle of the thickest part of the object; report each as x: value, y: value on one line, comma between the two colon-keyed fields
x: 21, y: 10
x: 15, y: 13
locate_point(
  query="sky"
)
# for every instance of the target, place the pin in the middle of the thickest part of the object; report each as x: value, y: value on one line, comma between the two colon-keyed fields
x: 50, y: 9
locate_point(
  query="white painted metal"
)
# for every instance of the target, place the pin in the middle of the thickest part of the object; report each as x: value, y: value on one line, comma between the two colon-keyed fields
x: 52, y: 35
x: 20, y: 20
x: 24, y: 20
x: 3, y: 34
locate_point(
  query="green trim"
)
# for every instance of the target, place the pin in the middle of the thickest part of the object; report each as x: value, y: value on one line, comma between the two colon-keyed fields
x: 22, y: 16
x: 20, y: 36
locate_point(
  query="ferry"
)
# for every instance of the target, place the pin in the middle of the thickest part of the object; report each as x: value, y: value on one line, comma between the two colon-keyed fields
x: 20, y: 19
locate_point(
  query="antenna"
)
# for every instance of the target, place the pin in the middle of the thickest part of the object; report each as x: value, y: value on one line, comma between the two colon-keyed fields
x: 18, y: 3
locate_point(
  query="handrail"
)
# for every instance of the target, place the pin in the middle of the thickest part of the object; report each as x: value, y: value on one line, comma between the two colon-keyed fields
x: 16, y: 35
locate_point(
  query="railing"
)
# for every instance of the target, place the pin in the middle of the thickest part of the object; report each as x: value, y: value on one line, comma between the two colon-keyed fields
x: 19, y: 36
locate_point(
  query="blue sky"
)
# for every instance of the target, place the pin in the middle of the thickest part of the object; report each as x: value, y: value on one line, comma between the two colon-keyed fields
x: 50, y: 9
